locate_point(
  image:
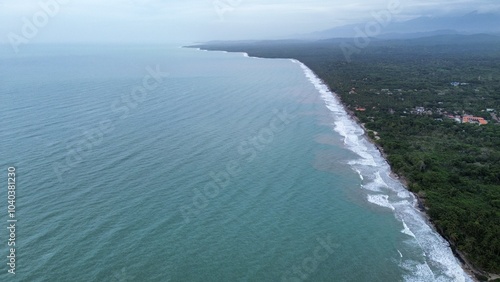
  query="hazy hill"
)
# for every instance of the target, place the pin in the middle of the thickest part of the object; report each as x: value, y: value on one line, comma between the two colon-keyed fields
x: 421, y: 27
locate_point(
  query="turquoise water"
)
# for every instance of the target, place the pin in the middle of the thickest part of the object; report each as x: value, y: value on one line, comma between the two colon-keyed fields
x: 159, y: 163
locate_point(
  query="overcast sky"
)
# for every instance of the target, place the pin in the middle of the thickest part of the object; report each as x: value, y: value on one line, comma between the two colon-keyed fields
x: 198, y: 20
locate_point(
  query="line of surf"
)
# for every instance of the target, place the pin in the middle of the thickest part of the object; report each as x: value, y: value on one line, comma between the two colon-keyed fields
x: 439, y: 262
x: 384, y: 191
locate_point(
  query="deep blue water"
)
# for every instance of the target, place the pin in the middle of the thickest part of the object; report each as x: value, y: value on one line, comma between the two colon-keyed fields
x: 158, y: 163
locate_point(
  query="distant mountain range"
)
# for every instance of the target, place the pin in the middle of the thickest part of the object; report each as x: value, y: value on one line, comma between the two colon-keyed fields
x: 471, y: 23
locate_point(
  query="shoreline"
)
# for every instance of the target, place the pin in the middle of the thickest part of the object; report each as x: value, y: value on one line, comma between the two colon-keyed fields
x: 465, y: 264
x: 467, y: 267
x: 473, y: 272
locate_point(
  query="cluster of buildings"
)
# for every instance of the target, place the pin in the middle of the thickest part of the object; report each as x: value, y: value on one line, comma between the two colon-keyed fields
x: 465, y: 118
x: 458, y: 118
x: 472, y: 119
x: 421, y: 111
x: 468, y: 119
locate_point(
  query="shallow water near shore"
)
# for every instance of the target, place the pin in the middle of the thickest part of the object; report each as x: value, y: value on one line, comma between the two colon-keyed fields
x: 229, y: 168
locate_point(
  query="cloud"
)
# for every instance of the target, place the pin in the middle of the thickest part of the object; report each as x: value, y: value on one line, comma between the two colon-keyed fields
x: 166, y: 20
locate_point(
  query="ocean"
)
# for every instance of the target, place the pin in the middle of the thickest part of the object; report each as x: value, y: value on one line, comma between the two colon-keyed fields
x: 161, y: 163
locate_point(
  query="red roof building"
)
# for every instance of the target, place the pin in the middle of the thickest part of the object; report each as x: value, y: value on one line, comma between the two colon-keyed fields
x: 471, y: 119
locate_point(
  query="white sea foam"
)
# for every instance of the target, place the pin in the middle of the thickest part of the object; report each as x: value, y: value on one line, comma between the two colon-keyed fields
x: 403, y: 194
x: 400, y: 254
x: 438, y: 262
x: 407, y: 230
x: 380, y: 200
x: 376, y: 184
x: 360, y: 174
x: 419, y: 272
x: 372, y: 187
x: 248, y: 56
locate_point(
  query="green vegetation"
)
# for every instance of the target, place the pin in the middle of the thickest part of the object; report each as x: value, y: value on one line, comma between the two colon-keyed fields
x: 405, y: 87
